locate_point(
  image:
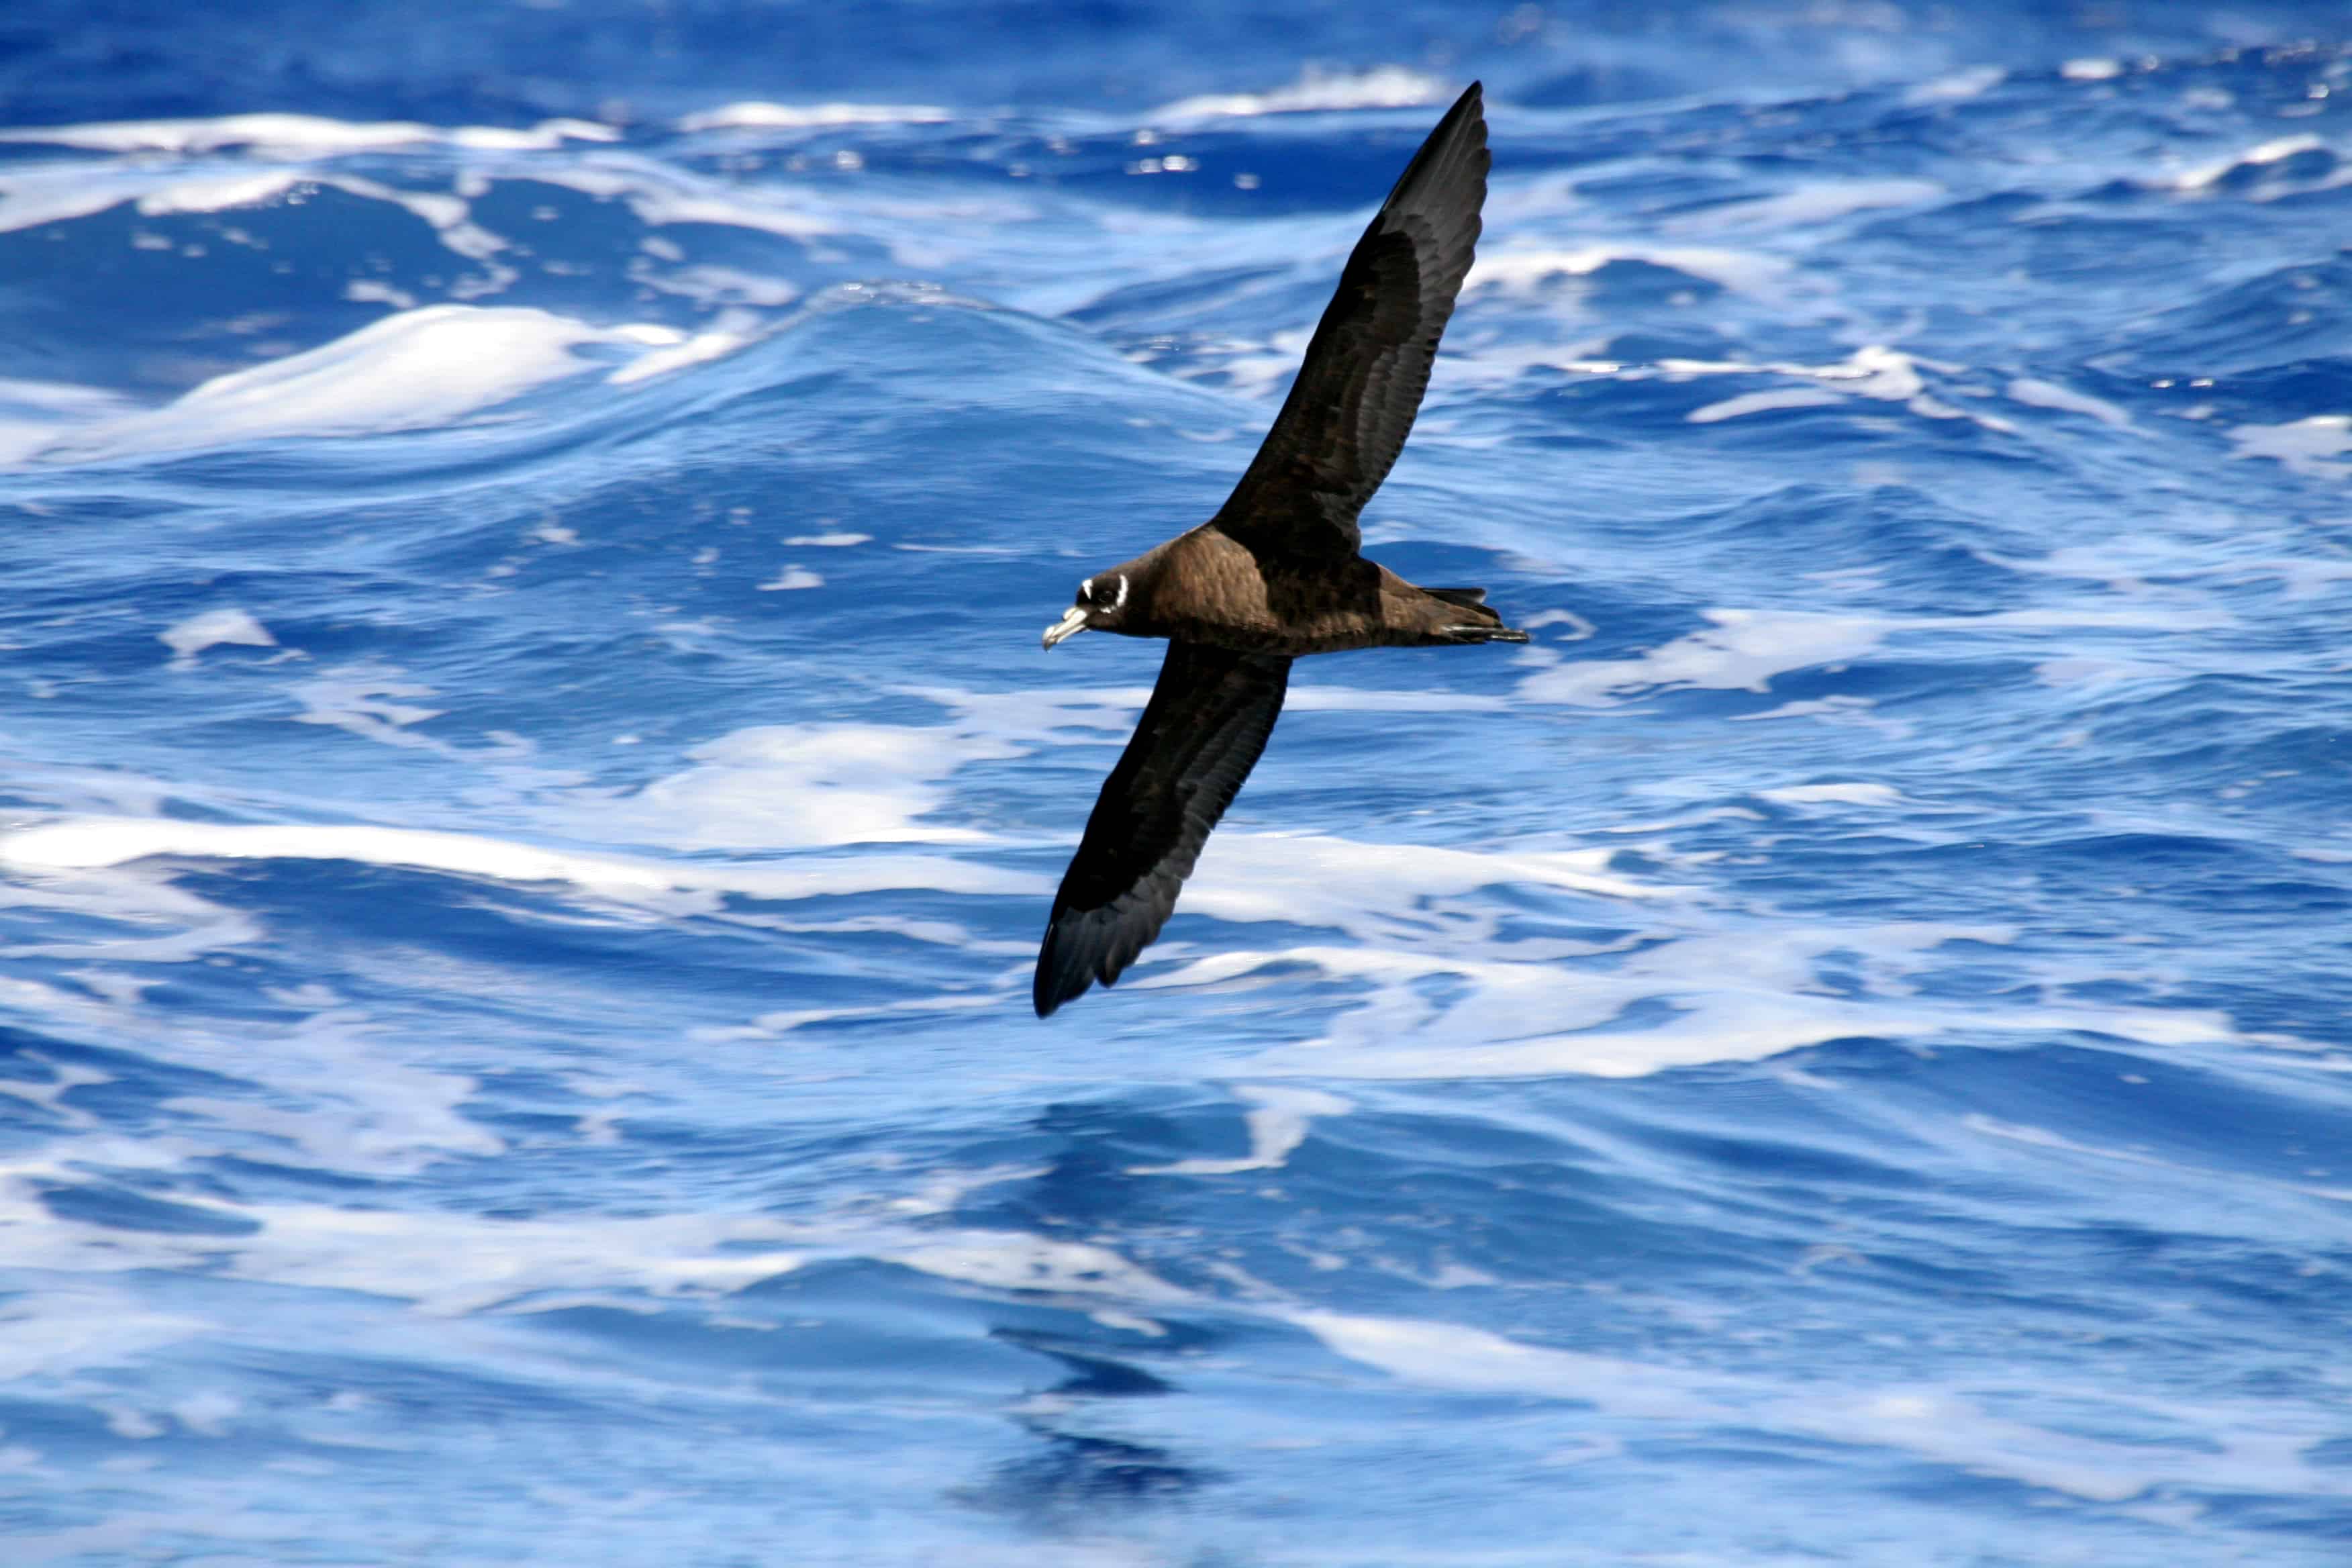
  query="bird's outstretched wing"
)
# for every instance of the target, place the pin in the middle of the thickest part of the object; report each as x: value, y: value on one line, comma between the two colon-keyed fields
x: 1201, y: 734
x: 1360, y: 383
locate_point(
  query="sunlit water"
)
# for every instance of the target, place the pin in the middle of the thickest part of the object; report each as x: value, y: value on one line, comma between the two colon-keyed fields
x: 531, y: 794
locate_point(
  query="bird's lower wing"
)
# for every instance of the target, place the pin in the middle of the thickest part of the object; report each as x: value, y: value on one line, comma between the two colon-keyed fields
x: 1201, y: 734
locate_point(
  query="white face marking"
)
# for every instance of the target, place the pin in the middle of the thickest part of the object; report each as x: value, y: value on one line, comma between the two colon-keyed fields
x: 1120, y: 602
x: 1086, y: 589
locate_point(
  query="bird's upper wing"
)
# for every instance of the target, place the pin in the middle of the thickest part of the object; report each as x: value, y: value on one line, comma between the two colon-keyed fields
x: 1349, y: 412
x: 1201, y: 733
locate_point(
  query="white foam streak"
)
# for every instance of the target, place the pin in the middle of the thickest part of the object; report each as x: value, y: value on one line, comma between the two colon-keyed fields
x: 1958, y: 87
x: 414, y: 370
x: 846, y: 784
x: 756, y: 115
x: 212, y: 628
x: 446, y: 1264
x: 62, y: 1329
x: 1013, y: 1261
x: 1278, y: 1122
x: 699, y: 348
x: 1385, y: 86
x: 1525, y: 271
x: 658, y: 194
x: 1743, y: 650
x: 2204, y: 179
x: 2049, y: 394
x: 1311, y: 879
x: 1817, y: 202
x: 217, y: 196
x: 1769, y: 401
x: 1869, y: 794
x: 2308, y: 447
x: 1942, y: 1425
x: 301, y: 135
x: 94, y: 842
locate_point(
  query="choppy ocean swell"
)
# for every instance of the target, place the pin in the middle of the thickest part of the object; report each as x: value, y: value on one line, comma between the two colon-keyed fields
x: 533, y: 794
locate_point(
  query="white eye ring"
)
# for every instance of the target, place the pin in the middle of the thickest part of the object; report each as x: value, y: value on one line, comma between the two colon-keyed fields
x: 1120, y: 602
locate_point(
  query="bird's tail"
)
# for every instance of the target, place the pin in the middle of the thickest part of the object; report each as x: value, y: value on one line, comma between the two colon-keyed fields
x: 1487, y: 628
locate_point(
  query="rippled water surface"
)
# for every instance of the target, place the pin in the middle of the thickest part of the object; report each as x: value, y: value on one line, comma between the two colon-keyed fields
x: 531, y: 793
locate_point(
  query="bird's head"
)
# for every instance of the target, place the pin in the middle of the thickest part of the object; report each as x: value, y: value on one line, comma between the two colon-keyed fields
x: 1101, y: 605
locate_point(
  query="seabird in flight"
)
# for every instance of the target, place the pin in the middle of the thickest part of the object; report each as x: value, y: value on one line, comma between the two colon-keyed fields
x: 1275, y: 574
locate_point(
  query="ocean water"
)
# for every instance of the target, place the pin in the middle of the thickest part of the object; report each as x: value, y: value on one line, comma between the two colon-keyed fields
x: 531, y: 793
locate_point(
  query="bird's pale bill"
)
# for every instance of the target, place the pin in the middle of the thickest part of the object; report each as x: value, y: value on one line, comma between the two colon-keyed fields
x: 1072, y: 623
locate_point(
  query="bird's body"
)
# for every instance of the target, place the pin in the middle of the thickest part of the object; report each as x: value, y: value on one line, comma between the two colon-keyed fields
x: 1276, y: 575
x: 1232, y: 598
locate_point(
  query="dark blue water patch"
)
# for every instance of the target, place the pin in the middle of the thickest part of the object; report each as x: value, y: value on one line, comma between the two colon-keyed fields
x: 119, y: 1209
x: 1153, y: 313
x: 2287, y: 314
x: 133, y: 1096
x: 1074, y: 1477
x: 2292, y: 1517
x: 205, y: 304
x: 807, y: 1348
x: 2302, y: 388
x: 576, y: 250
x: 1599, y: 82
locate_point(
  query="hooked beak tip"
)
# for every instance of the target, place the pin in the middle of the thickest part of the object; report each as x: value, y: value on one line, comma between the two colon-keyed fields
x: 1069, y: 626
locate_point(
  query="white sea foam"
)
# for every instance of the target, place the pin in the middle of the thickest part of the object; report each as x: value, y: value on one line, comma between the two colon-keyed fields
x: 90, y: 842
x: 64, y: 1328
x: 412, y: 370
x: 301, y: 135
x: 658, y: 194
x: 803, y: 785
x: 204, y: 195
x: 1693, y: 986
x: 1945, y: 1425
x: 1960, y: 85
x: 1312, y: 879
x: 447, y: 1264
x: 1820, y: 202
x: 1385, y: 86
x: 2309, y: 447
x: 1873, y: 371
x: 1741, y: 650
x: 30, y: 197
x: 1524, y: 271
x: 1869, y: 794
x: 214, y: 629
x: 450, y: 1265
x: 755, y: 115
x: 699, y: 348
x: 1278, y: 1122
x: 1769, y: 401
x: 1461, y: 1358
x: 1744, y: 650
x: 34, y: 414
x: 1011, y: 1260
x: 2049, y: 394
x: 2275, y: 151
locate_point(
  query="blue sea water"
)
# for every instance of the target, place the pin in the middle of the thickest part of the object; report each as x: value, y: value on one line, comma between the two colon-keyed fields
x: 532, y: 791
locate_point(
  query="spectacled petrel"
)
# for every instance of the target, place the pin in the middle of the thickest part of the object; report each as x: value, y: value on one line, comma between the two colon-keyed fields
x: 1275, y: 574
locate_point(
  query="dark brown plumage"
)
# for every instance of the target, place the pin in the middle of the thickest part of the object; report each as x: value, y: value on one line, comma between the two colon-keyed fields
x: 1276, y: 574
